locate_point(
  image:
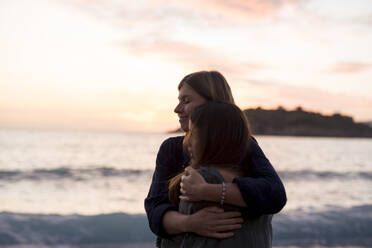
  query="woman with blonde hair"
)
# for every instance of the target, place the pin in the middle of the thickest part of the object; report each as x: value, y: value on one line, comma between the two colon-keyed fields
x: 259, y: 190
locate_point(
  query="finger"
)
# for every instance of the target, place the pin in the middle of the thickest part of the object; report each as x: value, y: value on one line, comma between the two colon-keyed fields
x: 185, y: 198
x: 185, y: 178
x: 227, y: 228
x: 183, y: 191
x: 223, y: 235
x: 183, y: 186
x: 188, y: 170
x: 231, y: 221
x: 214, y: 209
x: 229, y: 215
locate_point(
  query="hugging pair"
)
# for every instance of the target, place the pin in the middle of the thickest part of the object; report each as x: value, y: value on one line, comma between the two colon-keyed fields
x: 232, y: 172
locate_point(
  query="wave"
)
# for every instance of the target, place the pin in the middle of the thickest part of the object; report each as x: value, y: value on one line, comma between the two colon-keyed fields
x: 89, y: 173
x: 68, y: 173
x: 337, y: 227
x: 319, y: 175
x: 72, y: 229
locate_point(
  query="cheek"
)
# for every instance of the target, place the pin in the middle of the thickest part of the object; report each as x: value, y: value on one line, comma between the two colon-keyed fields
x: 189, y: 108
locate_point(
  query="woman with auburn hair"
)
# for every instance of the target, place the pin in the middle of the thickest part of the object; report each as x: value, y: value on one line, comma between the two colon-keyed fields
x: 217, y: 142
x: 259, y: 192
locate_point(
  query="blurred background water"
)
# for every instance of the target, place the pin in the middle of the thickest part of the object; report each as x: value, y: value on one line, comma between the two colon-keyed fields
x: 74, y: 187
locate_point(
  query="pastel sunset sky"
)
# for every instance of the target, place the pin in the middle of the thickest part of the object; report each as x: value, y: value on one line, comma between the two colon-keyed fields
x: 113, y: 64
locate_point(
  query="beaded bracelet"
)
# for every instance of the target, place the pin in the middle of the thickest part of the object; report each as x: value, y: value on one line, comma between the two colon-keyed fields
x: 223, y: 194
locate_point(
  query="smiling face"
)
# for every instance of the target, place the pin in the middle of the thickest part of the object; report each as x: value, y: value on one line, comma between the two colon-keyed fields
x: 188, y: 100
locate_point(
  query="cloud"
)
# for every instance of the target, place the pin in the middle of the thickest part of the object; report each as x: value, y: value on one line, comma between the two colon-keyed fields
x: 363, y: 20
x: 349, y: 67
x: 246, y: 9
x: 156, y: 28
x: 131, y: 14
x: 193, y: 56
x: 178, y: 32
x: 192, y: 12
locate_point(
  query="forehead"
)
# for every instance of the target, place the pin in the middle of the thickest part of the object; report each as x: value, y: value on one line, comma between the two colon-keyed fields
x: 187, y: 91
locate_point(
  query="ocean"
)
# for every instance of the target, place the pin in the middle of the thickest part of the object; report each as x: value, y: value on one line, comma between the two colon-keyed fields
x: 86, y: 189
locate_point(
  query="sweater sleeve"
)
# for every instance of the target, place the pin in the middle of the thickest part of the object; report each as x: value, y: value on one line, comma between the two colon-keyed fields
x: 157, y: 202
x: 263, y: 191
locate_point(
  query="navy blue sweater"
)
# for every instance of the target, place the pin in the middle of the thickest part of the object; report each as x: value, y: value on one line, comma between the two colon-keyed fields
x: 261, y: 189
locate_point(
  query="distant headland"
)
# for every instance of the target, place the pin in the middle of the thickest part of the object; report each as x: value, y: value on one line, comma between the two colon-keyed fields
x: 299, y: 122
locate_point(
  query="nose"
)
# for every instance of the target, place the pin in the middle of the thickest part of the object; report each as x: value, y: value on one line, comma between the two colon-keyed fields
x: 178, y: 109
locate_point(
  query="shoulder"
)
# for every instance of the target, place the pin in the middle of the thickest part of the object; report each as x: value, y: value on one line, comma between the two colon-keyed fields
x: 255, y: 157
x: 171, y: 148
x: 169, y: 159
x: 254, y: 149
x: 172, y: 143
x: 211, y: 174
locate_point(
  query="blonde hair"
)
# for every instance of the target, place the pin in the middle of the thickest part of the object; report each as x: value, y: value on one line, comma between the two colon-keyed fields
x: 211, y: 85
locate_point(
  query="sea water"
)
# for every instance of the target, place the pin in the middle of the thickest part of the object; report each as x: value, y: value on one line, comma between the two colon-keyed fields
x: 87, y: 188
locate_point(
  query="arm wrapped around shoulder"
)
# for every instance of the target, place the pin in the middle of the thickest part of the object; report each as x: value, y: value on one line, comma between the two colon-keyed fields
x: 262, y: 190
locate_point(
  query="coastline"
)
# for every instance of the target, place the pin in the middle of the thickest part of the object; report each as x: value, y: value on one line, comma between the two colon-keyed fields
x: 301, y: 123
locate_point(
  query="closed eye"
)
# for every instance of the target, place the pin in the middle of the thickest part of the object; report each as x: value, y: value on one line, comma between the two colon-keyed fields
x: 184, y: 100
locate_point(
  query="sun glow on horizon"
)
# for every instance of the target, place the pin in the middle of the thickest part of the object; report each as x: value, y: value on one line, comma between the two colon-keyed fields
x: 101, y: 65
